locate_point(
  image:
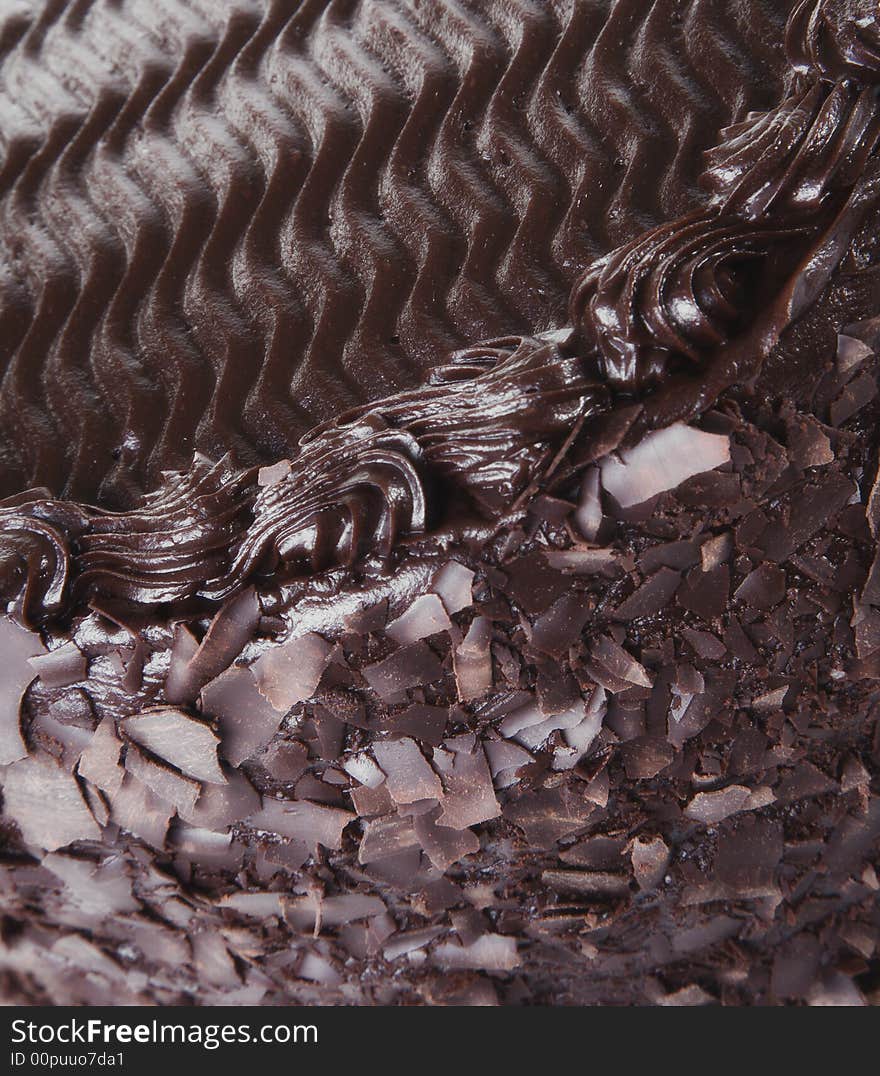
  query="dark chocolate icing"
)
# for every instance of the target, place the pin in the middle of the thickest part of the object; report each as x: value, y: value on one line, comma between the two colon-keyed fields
x: 700, y: 300
x: 223, y: 223
x: 485, y: 427
x: 834, y: 39
x: 488, y: 694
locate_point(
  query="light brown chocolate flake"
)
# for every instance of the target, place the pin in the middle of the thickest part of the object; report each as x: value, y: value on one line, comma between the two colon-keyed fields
x: 138, y: 810
x: 46, y: 803
x: 99, y: 762
x: 444, y: 845
x: 548, y: 814
x: 409, y: 775
x: 491, y: 952
x: 808, y: 443
x: 610, y: 655
x: 308, y: 823
x: 650, y: 858
x: 588, y: 514
x: 290, y: 672
x: 220, y: 806
x: 472, y: 661
x: 185, y: 742
x: 61, y: 667
x: 587, y: 883
x: 230, y: 630
x: 560, y: 626
x: 469, y: 793
x: 411, y: 666
x: 386, y: 837
x: 272, y: 475
x: 763, y: 588
x: 661, y: 461
x: 649, y: 597
x: 423, y: 722
x: 716, y: 550
x: 426, y: 616
x: 712, y: 807
x: 167, y: 784
x: 285, y: 760
x: 454, y: 584
x: 17, y: 646
x: 245, y: 718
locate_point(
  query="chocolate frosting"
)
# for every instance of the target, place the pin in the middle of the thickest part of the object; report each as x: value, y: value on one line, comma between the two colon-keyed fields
x: 689, y: 308
x: 507, y: 687
x: 834, y: 39
x: 224, y: 223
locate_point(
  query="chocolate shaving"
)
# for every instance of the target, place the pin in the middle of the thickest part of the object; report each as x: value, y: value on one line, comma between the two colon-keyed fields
x: 472, y: 661
x: 229, y: 631
x: 46, y: 803
x: 410, y: 777
x: 426, y: 616
x: 469, y: 797
x: 307, y: 823
x: 247, y: 721
x: 661, y: 461
x: 290, y: 672
x: 649, y: 598
x: 60, y: 668
x: 19, y: 646
x: 174, y: 736
x: 453, y: 583
x: 408, y: 667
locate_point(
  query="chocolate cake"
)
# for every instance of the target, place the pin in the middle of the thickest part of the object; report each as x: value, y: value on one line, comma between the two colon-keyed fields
x: 439, y: 546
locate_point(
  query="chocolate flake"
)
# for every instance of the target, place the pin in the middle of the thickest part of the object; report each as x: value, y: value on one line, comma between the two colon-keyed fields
x: 229, y: 631
x: 137, y: 809
x: 46, y: 803
x: 307, y: 823
x: 246, y: 719
x: 650, y: 859
x: 61, y: 667
x: 661, y: 461
x: 469, y: 794
x: 549, y: 814
x: 386, y: 837
x: 472, y: 661
x: 290, y: 672
x: 713, y: 807
x: 763, y: 588
x: 588, y: 515
x: 410, y: 777
x: 18, y: 646
x: 408, y: 667
x: 174, y: 736
x: 426, y: 616
x: 649, y: 598
x: 99, y: 762
x: 454, y: 584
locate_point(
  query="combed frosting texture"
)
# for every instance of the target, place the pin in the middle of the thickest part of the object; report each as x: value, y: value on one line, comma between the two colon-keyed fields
x: 225, y: 222
x: 693, y: 306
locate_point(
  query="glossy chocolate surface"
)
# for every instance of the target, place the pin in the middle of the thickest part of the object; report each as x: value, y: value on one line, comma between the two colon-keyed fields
x: 225, y: 222
x: 551, y: 679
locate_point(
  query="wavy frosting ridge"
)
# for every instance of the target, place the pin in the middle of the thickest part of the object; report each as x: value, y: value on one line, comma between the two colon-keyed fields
x: 684, y: 310
x: 225, y: 221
